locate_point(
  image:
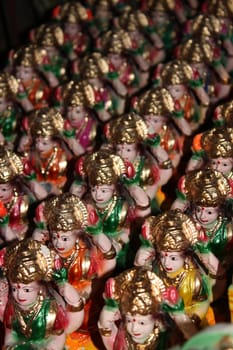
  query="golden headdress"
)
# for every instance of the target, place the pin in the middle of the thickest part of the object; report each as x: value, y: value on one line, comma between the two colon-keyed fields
x: 80, y: 93
x: 208, y: 187
x: 161, y: 5
x: 220, y: 8
x: 66, y: 212
x: 224, y: 113
x: 28, y: 56
x: 103, y: 168
x: 27, y: 261
x: 46, y: 122
x: 173, y: 231
x: 128, y: 128
x: 176, y: 72
x: 71, y: 12
x: 8, y: 85
x: 218, y: 142
x: 11, y: 165
x: 115, y: 41
x: 93, y: 66
x: 196, y: 50
x: 138, y: 291
x: 48, y: 35
x: 207, y: 25
x: 157, y: 101
x: 133, y: 20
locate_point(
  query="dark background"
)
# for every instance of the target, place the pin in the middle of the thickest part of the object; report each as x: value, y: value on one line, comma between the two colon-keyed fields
x: 17, y: 17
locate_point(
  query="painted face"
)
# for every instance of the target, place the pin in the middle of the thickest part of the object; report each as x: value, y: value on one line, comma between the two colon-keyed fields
x: 201, y: 68
x: 154, y: 123
x: 41, y: 235
x: 71, y: 29
x: 172, y: 261
x: 135, y: 35
x: 78, y: 190
x: 76, y: 114
x: 51, y: 51
x: 160, y: 17
x: 25, y: 294
x: 116, y: 60
x: 127, y: 151
x: 139, y: 327
x: 177, y: 91
x: 24, y: 73
x: 6, y: 192
x: 224, y: 165
x: 206, y: 215
x: 44, y: 144
x: 64, y: 242
x: 101, y: 194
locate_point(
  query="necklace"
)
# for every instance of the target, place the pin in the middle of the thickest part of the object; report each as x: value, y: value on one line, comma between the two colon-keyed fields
x: 210, y: 232
x: 26, y: 317
x: 172, y: 281
x: 107, y: 210
x: 45, y: 169
x: 10, y: 205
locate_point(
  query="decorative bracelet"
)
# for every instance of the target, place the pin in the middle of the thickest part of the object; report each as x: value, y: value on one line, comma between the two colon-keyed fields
x: 143, y: 207
x: 110, y: 254
x: 106, y: 332
x: 75, y: 308
x: 22, y: 95
x: 167, y: 164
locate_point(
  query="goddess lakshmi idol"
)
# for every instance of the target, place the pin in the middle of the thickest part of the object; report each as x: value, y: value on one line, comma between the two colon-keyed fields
x: 36, y: 315
x: 172, y: 236
x: 46, y: 160
x: 85, y: 257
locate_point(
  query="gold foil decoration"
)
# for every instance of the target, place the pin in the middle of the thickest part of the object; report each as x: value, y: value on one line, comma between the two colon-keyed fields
x: 29, y: 56
x: 173, y: 231
x: 80, y: 93
x: 27, y: 261
x: 72, y: 12
x: 218, y: 142
x: 8, y: 85
x: 46, y: 122
x: 66, y: 212
x: 133, y: 20
x: 176, y: 72
x: 224, y: 113
x: 103, y: 168
x: 48, y: 35
x: 138, y: 291
x: 208, y: 188
x: 128, y: 128
x: 157, y: 101
x: 11, y: 165
x: 93, y: 66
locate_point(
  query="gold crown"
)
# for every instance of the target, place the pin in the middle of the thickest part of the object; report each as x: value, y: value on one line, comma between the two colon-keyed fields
x: 128, y: 128
x: 46, y: 122
x: 173, y: 231
x: 8, y: 85
x: 208, y: 187
x: 218, y: 142
x: 27, y: 261
x: 103, y: 167
x: 139, y: 291
x: 157, y: 101
x: 176, y: 72
x: 66, y: 212
x: 48, y: 35
x: 11, y: 165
